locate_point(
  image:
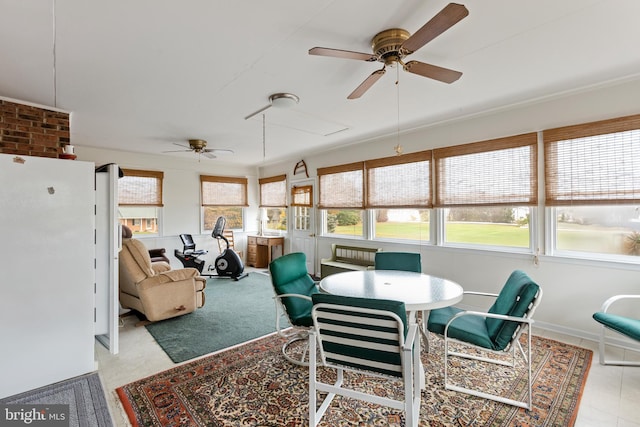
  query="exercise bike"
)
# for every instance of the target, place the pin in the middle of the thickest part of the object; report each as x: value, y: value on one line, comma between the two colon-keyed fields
x: 228, y: 263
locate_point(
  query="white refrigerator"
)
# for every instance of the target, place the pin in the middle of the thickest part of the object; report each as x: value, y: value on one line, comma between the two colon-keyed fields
x: 108, y: 245
x: 47, y: 272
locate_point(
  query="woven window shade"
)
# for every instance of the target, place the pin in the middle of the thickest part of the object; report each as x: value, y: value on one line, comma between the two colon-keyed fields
x: 223, y: 191
x: 489, y: 173
x: 273, y: 191
x: 593, y: 163
x: 302, y: 196
x: 399, y: 181
x: 140, y: 188
x: 341, y: 187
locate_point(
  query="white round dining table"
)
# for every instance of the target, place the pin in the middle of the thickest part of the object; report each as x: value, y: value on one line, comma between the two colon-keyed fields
x: 418, y: 291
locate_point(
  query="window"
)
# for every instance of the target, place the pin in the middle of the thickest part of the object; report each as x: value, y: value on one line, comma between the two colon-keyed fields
x: 399, y: 189
x: 487, y: 191
x: 140, y: 200
x: 273, y: 197
x: 592, y: 187
x: 302, y: 202
x: 341, y: 196
x: 223, y: 196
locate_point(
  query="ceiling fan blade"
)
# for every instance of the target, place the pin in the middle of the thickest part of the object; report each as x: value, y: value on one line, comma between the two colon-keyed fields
x: 209, y: 155
x: 177, y: 151
x: 219, y: 150
x: 183, y: 146
x: 444, y: 75
x: 345, y: 54
x: 445, y: 19
x: 366, y: 84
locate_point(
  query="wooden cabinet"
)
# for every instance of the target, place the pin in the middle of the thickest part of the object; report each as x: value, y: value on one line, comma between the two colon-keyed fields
x: 260, y: 250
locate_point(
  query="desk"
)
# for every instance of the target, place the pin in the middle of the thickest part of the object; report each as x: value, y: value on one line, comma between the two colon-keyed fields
x: 259, y: 250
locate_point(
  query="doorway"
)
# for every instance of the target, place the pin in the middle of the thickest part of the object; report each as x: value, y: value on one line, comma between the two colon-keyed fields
x: 303, y: 224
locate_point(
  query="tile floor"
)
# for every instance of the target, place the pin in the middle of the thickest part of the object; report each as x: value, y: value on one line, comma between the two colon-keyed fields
x: 611, y: 396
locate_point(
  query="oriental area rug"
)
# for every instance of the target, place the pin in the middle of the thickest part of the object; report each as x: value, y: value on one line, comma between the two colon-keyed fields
x: 253, y: 385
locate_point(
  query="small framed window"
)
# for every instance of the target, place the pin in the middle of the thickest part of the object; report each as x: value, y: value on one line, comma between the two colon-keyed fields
x: 341, y: 197
x: 140, y: 201
x: 223, y: 196
x: 273, y: 198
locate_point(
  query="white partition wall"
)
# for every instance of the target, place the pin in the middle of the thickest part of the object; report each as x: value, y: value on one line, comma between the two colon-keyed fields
x: 47, y: 275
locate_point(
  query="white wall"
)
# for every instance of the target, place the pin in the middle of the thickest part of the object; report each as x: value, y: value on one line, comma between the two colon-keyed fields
x: 573, y: 289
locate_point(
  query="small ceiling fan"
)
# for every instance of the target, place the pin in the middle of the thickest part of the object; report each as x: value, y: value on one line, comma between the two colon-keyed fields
x: 199, y: 146
x: 391, y: 46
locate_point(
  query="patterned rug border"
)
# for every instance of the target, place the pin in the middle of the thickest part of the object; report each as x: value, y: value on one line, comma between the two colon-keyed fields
x: 185, y: 384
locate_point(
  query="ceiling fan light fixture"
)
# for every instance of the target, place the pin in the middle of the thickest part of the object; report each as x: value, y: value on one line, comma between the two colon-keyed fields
x: 197, y: 145
x: 283, y: 100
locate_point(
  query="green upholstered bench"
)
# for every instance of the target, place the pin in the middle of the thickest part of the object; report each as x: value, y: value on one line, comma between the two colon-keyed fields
x: 347, y: 258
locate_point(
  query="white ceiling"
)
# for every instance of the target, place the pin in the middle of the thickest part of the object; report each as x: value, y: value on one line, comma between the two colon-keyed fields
x: 141, y: 75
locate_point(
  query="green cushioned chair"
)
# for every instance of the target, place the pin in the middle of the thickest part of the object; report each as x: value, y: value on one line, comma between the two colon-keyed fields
x: 403, y: 261
x: 369, y: 337
x: 293, y: 288
x: 627, y: 326
x: 497, y: 330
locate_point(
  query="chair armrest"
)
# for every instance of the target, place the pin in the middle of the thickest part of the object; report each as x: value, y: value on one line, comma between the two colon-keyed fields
x: 411, y: 337
x: 279, y: 297
x: 484, y: 294
x: 160, y: 267
x: 615, y: 298
x: 180, y: 274
x: 156, y: 252
x: 491, y: 315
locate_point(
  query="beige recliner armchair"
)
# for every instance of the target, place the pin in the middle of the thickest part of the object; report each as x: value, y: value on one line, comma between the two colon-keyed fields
x: 155, y: 290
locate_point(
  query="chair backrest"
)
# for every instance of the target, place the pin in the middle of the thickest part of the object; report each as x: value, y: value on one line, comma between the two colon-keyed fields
x: 187, y: 242
x: 135, y: 260
x: 519, y: 297
x: 289, y: 276
x: 360, y: 333
x: 404, y: 261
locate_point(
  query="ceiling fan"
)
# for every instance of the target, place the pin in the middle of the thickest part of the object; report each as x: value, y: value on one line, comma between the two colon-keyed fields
x: 199, y: 146
x: 391, y: 46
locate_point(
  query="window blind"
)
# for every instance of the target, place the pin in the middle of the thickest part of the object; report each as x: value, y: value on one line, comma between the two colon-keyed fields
x: 140, y: 188
x: 496, y: 172
x: 302, y: 196
x: 593, y: 163
x: 399, y: 181
x: 273, y: 191
x: 223, y: 191
x: 341, y: 187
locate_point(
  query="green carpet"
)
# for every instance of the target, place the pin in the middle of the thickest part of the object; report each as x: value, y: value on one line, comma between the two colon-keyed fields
x: 234, y: 312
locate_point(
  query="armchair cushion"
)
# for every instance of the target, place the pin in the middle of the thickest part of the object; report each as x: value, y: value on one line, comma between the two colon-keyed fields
x: 404, y: 261
x: 289, y: 276
x: 472, y: 329
x: 514, y: 299
x: 625, y: 325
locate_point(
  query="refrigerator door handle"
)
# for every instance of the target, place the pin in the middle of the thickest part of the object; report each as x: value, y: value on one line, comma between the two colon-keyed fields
x: 119, y: 238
